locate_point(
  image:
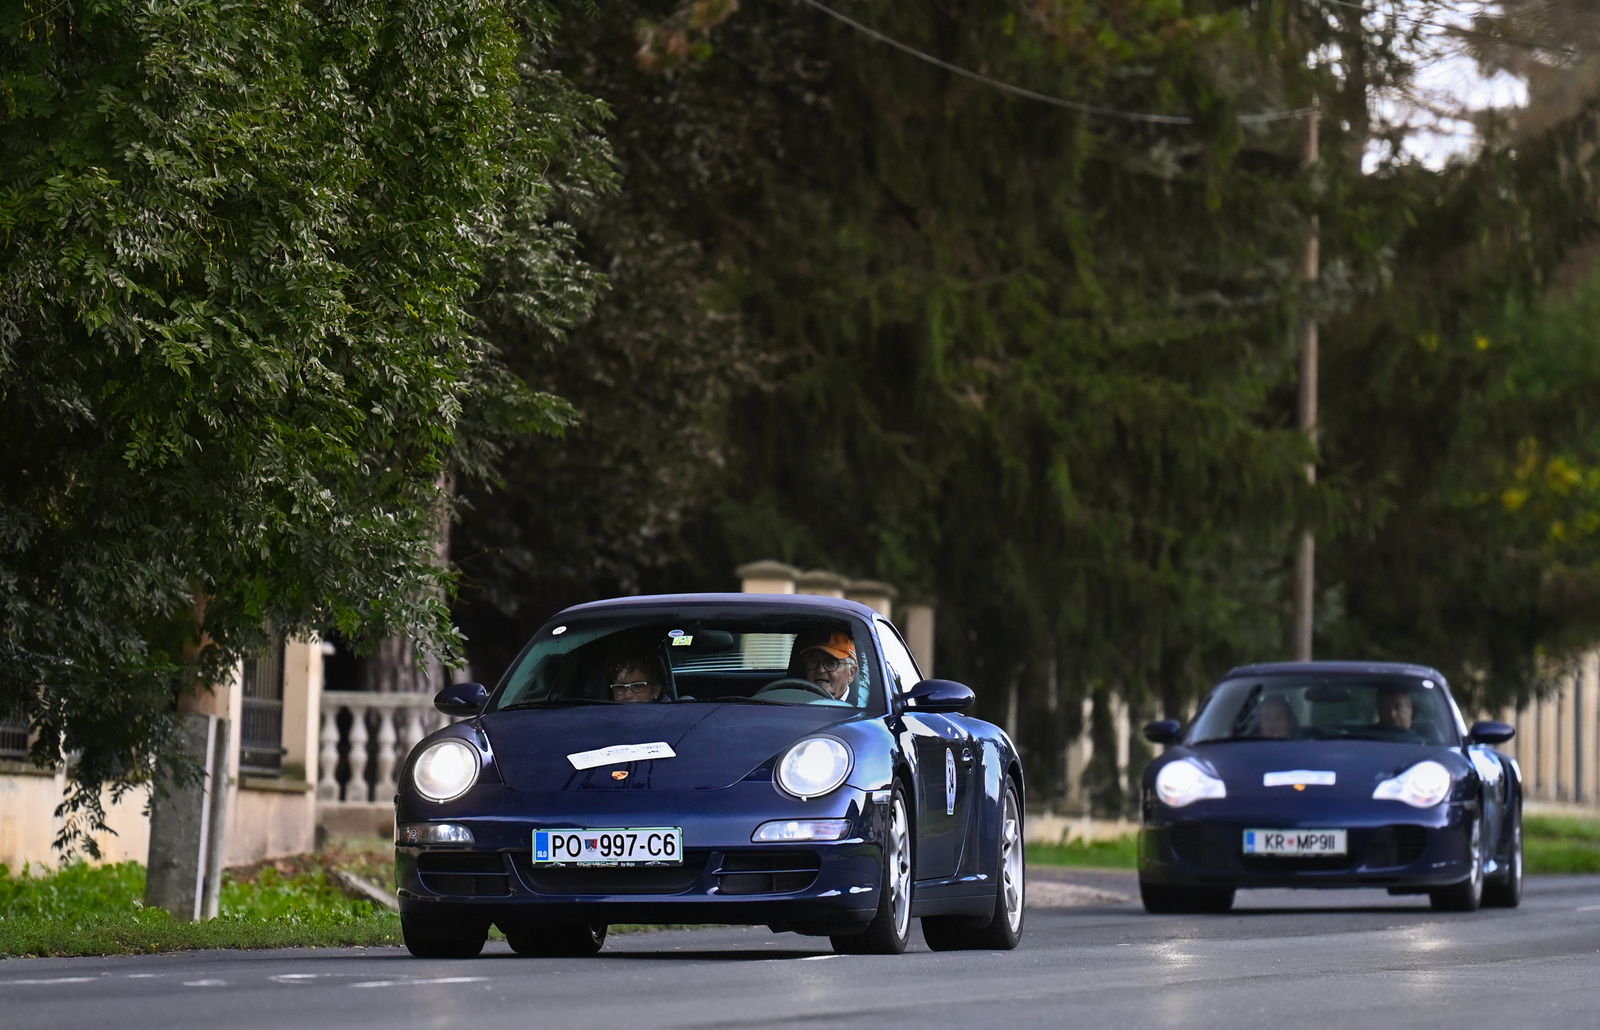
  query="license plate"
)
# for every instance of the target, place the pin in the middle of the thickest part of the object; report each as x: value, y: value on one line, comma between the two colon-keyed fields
x: 630, y: 845
x: 1294, y: 842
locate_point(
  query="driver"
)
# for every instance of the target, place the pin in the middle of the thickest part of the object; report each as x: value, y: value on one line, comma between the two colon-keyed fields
x: 831, y: 664
x: 1395, y: 708
x: 1275, y: 719
x: 635, y: 677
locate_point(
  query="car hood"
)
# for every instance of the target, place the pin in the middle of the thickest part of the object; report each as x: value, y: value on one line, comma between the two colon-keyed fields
x: 1358, y: 765
x: 716, y: 745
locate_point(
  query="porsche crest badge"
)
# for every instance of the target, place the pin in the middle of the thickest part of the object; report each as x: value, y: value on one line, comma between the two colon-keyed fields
x: 620, y: 774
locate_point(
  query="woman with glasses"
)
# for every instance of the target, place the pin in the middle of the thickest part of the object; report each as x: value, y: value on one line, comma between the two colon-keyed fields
x: 635, y: 677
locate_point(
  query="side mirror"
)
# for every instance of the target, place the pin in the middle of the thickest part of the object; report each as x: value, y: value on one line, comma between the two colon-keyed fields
x: 461, y: 699
x: 1491, y: 733
x: 938, y: 696
x: 1167, y: 731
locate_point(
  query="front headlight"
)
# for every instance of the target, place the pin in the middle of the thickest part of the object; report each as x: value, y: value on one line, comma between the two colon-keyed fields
x: 814, y: 767
x: 1421, y: 786
x: 446, y: 770
x: 1185, y: 781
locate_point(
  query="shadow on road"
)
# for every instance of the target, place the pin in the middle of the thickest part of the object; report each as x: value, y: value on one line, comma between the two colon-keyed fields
x: 716, y: 955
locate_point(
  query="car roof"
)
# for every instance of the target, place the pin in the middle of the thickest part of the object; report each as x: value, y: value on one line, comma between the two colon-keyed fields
x: 751, y: 602
x: 1338, y: 669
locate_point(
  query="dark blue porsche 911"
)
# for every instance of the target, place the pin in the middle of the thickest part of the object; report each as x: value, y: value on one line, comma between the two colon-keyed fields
x: 711, y: 758
x: 1330, y: 774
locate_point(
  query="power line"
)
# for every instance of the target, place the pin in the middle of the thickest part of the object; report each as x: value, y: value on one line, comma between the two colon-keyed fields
x: 1045, y: 98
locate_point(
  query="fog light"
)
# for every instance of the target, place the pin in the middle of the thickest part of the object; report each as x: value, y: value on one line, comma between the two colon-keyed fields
x: 781, y: 830
x: 433, y: 833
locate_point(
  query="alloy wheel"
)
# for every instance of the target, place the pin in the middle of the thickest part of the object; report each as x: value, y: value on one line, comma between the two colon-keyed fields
x: 1013, y: 868
x: 900, y: 868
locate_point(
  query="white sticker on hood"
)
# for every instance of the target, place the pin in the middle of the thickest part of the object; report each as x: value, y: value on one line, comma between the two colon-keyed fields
x: 1305, y: 777
x: 618, y: 753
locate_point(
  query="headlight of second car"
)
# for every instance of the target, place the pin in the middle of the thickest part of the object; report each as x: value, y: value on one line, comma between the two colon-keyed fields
x: 814, y: 767
x: 1421, y: 786
x: 446, y: 770
x: 1185, y: 781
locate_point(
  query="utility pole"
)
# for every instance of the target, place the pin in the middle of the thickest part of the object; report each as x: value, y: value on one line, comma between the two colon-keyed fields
x: 1305, y: 563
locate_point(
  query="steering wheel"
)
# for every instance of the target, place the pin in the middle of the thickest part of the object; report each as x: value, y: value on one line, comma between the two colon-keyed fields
x: 796, y: 683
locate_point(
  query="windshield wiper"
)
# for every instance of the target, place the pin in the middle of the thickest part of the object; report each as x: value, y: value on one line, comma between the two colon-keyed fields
x: 557, y: 702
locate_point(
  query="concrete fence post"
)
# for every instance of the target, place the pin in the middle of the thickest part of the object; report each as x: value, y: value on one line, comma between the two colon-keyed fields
x: 187, y: 826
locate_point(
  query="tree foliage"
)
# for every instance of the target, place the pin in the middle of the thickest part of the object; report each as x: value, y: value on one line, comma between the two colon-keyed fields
x: 239, y: 254
x: 1041, y: 363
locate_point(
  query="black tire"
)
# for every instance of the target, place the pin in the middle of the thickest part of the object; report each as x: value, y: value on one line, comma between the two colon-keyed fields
x: 1163, y: 899
x: 435, y: 938
x: 1506, y: 891
x: 556, y: 940
x: 1467, y: 895
x: 890, y: 928
x: 1002, y: 930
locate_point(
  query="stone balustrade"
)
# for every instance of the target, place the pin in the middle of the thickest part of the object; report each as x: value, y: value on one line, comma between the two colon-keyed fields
x: 365, y: 739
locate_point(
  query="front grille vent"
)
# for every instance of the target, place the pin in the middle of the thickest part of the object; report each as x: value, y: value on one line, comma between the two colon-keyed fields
x: 1393, y: 846
x: 464, y: 873
x: 1296, y: 864
x: 650, y: 879
x: 767, y: 872
x: 1209, y: 847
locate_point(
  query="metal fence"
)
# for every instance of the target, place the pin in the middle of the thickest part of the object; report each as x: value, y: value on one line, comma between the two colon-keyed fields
x: 13, y: 739
x: 261, y: 715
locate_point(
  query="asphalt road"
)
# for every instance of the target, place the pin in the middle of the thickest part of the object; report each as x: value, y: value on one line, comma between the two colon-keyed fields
x: 1283, y: 958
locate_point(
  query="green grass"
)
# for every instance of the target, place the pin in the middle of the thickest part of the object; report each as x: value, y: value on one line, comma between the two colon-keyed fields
x: 1551, y: 845
x: 137, y: 934
x: 1120, y: 853
x: 1556, y: 844
x: 289, y: 903
x: 98, y: 910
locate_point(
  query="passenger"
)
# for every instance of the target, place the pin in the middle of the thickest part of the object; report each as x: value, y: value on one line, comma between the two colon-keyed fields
x: 831, y: 664
x: 1275, y: 719
x: 1395, y: 708
x: 635, y: 677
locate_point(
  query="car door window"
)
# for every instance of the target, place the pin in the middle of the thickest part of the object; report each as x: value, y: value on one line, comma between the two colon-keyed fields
x: 902, y: 667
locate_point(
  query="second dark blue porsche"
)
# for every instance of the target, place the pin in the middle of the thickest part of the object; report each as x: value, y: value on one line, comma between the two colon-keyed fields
x: 711, y: 758
x: 1330, y: 774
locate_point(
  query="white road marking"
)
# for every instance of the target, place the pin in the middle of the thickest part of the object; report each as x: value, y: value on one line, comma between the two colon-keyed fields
x: 817, y: 958
x: 144, y: 976
x: 205, y: 983
x: 57, y: 980
x: 1588, y: 908
x: 433, y: 980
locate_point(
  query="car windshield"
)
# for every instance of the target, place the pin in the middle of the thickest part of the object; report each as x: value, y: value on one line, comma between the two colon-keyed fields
x: 685, y: 657
x: 1405, y: 709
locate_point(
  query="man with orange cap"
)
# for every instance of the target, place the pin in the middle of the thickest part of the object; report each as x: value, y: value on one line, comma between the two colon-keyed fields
x: 831, y: 664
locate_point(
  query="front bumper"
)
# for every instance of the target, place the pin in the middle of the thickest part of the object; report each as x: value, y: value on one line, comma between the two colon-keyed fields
x: 1390, y: 846
x: 811, y: 887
